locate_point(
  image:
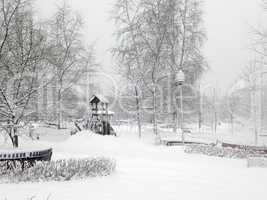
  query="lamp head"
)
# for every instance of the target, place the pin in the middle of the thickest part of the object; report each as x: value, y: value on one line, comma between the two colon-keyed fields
x: 180, y: 77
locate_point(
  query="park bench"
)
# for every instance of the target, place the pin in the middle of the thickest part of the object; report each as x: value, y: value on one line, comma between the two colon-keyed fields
x: 10, y: 159
x: 177, y: 143
x: 258, y: 149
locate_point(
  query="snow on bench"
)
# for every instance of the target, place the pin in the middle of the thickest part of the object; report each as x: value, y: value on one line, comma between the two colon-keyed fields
x: 173, y: 142
x: 14, y: 159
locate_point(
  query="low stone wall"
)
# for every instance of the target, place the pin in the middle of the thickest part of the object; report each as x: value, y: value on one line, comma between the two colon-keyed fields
x: 228, y: 152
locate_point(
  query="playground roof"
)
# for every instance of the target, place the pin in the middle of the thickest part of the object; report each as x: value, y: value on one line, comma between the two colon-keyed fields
x: 100, y: 97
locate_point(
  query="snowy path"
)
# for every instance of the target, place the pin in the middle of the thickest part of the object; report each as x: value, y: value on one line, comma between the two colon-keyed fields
x: 147, y: 172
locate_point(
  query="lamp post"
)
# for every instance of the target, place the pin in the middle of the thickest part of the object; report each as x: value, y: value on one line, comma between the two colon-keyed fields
x: 180, y: 79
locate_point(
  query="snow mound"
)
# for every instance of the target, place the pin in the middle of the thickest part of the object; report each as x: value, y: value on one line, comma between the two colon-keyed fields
x: 89, y: 144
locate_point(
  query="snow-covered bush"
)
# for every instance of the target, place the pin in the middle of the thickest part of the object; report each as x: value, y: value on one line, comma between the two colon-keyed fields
x: 212, y: 150
x: 60, y: 170
x: 257, y: 162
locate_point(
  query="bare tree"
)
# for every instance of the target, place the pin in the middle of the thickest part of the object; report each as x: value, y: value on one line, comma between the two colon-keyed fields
x: 68, y: 55
x: 252, y: 75
x: 185, y: 39
x: 264, y: 4
x: 129, y: 49
x: 22, y: 54
x: 157, y: 38
x: 260, y: 38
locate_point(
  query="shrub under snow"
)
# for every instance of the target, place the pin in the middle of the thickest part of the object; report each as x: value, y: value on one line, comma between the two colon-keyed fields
x: 60, y: 170
x: 211, y: 150
x: 257, y: 162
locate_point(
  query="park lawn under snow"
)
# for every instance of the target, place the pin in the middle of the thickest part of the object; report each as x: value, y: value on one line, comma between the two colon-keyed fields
x: 145, y: 171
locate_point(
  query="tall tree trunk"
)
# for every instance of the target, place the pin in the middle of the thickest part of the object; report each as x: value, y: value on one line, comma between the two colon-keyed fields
x: 138, y: 109
x: 215, y: 122
x: 12, y: 133
x: 232, y: 123
x: 174, y: 119
x: 15, y: 139
x: 155, y: 126
x: 14, y: 136
x: 215, y: 111
x: 199, y: 120
x: 59, y: 110
x: 200, y: 111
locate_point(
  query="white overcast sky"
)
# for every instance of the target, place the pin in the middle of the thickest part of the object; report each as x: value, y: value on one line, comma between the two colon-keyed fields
x: 228, y: 25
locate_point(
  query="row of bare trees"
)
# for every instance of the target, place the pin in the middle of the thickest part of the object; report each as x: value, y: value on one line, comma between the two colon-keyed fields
x: 155, y: 39
x: 245, y: 102
x: 36, y: 55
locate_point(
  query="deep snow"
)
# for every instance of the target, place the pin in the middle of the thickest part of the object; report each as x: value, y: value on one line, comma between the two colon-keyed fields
x: 145, y: 171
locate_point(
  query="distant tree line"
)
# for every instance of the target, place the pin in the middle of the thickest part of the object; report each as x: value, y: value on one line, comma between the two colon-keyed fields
x: 246, y: 103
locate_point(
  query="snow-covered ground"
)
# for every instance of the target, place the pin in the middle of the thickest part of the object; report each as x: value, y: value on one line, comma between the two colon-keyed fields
x: 144, y: 171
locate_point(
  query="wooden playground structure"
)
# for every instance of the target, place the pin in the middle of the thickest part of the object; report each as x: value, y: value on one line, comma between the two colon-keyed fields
x: 100, y: 116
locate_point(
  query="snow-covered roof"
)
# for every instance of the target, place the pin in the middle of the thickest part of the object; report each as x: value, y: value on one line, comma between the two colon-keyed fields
x: 103, y: 112
x: 100, y: 97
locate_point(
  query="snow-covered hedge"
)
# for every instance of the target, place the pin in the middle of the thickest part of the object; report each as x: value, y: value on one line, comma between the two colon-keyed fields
x: 257, y: 162
x: 60, y: 170
x: 211, y: 150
